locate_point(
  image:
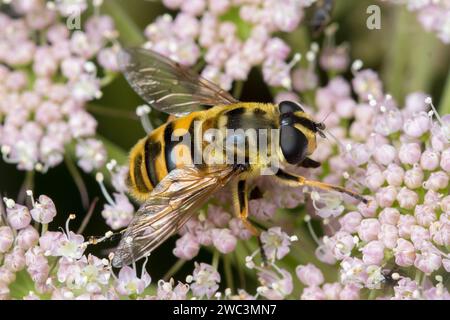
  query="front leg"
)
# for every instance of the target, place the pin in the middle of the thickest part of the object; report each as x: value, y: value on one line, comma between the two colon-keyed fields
x: 296, y: 181
x: 240, y: 203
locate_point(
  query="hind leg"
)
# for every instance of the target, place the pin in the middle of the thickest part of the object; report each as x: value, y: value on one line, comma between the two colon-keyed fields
x: 240, y: 203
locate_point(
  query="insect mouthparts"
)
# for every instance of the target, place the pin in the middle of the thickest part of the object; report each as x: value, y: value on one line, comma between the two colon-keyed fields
x: 320, y: 126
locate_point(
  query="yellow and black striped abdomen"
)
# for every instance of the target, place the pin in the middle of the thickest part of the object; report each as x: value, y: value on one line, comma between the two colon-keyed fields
x: 154, y: 156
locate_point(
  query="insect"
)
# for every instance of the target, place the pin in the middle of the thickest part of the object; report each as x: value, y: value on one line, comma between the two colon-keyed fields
x: 172, y: 188
x: 321, y: 16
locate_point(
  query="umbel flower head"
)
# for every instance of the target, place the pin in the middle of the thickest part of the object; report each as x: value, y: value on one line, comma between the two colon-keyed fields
x: 45, y: 83
x: 400, y: 161
x: 235, y: 36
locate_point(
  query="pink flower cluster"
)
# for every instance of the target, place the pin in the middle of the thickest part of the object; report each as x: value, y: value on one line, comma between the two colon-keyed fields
x: 399, y: 158
x: 47, y: 75
x: 235, y: 35
x: 59, y: 267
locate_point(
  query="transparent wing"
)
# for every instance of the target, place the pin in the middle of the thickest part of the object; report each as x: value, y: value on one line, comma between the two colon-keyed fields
x: 171, y: 205
x: 168, y: 86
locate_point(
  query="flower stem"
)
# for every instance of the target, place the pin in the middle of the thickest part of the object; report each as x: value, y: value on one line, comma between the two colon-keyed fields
x: 110, y: 112
x: 87, y: 217
x: 397, y: 63
x: 44, y: 228
x: 28, y: 184
x: 174, y: 269
x: 444, y: 106
x: 228, y: 272
x: 237, y: 90
x: 76, y: 176
x: 215, y: 259
x: 239, y: 269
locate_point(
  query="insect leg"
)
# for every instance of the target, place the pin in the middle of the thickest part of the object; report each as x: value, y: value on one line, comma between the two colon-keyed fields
x: 295, y: 181
x: 240, y: 202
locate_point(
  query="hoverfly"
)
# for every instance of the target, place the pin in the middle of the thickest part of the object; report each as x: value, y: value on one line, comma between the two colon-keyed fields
x: 172, y: 190
x: 321, y: 16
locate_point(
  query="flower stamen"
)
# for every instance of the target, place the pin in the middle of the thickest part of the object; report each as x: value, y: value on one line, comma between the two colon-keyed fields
x: 142, y: 112
x: 99, y: 177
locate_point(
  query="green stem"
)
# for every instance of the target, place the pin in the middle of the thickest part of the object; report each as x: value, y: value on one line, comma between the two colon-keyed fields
x: 44, y: 228
x: 174, y: 269
x: 239, y: 268
x: 76, y: 176
x: 110, y: 112
x: 108, y: 78
x: 228, y: 272
x: 444, y: 106
x: 28, y: 184
x: 87, y: 217
x: 130, y: 34
x: 215, y: 259
x: 237, y: 90
x: 422, y: 63
x: 397, y: 63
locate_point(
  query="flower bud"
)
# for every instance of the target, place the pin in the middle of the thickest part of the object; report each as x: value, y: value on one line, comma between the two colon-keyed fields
x: 224, y: 240
x: 418, y: 125
x: 369, y: 229
x: 6, y: 238
x: 186, y: 247
x: 385, y: 154
x: 310, y: 275
x: 373, y: 253
x: 414, y: 177
x: 404, y: 253
x: 407, y: 198
x: 18, y: 217
x: 388, y: 235
x: 394, y: 175
x: 437, y: 180
x: 428, y: 262
x: 429, y: 160
x: 350, y: 221
x: 386, y: 196
x: 15, y: 260
x: 425, y: 215
x: 410, y: 153
x: 445, y: 160
x: 44, y: 210
x: 389, y: 216
x: 27, y: 238
x: 404, y: 225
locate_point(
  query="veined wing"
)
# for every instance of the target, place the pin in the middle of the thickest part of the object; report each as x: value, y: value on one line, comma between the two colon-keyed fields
x: 168, y: 86
x: 172, y: 203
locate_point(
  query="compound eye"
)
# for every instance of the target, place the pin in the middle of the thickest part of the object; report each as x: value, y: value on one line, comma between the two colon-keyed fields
x: 289, y: 106
x: 293, y: 144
